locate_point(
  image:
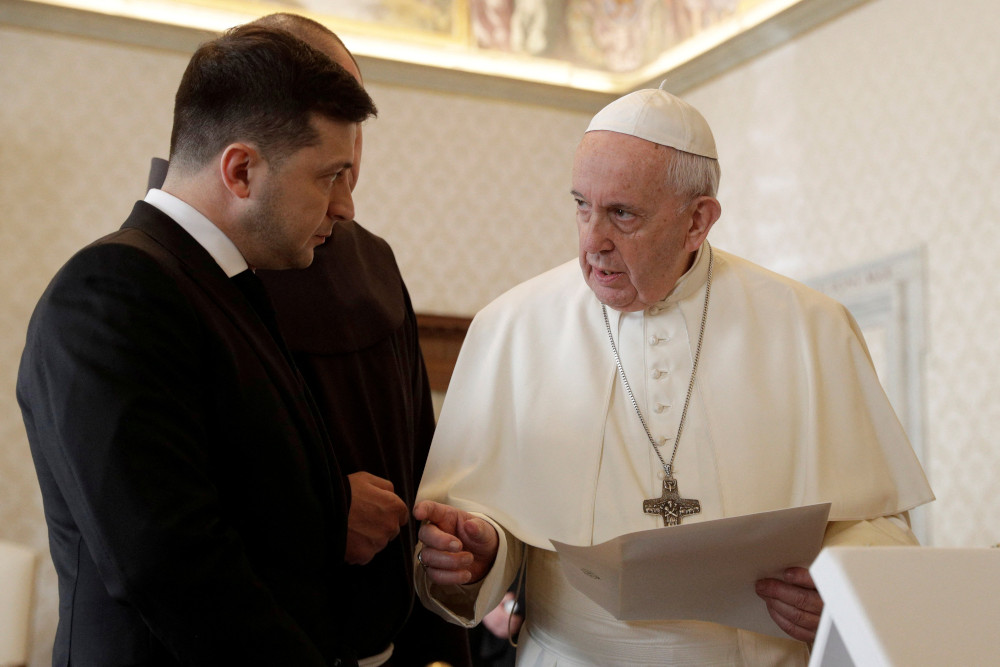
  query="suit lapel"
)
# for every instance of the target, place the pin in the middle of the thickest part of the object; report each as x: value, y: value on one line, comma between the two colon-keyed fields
x: 195, y: 262
x: 201, y: 268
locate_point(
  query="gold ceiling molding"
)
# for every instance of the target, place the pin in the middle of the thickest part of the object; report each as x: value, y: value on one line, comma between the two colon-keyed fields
x: 437, y: 48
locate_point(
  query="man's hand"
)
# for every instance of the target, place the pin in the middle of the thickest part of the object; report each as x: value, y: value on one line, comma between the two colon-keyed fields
x: 375, y: 517
x: 458, y: 548
x: 793, y: 603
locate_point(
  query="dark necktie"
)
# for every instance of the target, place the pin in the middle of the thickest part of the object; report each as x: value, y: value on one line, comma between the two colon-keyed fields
x: 252, y: 287
x: 253, y: 290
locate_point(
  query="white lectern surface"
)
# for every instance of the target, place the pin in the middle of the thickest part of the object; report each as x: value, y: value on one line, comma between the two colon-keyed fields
x: 17, y: 584
x: 907, y: 606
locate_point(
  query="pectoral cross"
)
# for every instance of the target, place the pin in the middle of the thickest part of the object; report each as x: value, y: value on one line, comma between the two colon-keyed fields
x: 670, y: 505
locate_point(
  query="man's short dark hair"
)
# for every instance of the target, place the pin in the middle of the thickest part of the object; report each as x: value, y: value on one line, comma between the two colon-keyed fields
x: 262, y: 86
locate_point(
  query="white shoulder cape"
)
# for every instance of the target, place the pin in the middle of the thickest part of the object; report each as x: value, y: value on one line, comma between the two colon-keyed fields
x: 785, y: 387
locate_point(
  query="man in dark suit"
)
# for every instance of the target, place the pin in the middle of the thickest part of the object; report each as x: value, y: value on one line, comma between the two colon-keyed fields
x: 351, y: 328
x: 196, y: 512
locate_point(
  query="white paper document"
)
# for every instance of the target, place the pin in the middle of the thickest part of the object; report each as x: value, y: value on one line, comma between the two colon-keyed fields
x: 698, y: 571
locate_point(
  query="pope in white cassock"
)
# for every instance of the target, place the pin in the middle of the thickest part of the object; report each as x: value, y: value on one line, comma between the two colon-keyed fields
x: 667, y: 369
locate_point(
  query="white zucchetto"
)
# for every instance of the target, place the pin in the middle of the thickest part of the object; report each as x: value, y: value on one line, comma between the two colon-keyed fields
x: 656, y: 115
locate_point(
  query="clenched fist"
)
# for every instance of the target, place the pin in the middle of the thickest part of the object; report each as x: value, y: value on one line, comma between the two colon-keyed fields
x: 374, y: 519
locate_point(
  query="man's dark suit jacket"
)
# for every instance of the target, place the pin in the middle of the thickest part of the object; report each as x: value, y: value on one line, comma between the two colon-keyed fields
x: 351, y: 327
x: 196, y: 513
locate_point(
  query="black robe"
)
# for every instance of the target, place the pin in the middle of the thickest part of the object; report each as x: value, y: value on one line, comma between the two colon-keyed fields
x: 352, y: 330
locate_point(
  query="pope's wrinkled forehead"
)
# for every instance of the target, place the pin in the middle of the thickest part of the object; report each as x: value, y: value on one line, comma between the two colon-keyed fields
x: 657, y: 116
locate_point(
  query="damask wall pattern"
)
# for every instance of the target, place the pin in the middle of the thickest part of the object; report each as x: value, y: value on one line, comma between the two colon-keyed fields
x: 871, y: 136
x: 868, y: 136
x: 474, y: 196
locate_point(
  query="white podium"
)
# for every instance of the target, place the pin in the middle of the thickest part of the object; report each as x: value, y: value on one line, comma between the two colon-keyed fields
x: 17, y: 586
x: 907, y: 607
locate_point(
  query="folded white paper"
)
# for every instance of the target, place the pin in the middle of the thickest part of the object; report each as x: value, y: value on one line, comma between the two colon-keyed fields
x: 698, y: 571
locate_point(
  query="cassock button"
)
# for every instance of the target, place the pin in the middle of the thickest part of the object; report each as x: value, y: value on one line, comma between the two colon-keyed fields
x: 660, y: 407
x: 657, y: 374
x: 653, y: 340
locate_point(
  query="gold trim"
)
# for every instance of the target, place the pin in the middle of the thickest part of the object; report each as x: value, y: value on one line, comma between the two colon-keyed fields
x: 442, y: 62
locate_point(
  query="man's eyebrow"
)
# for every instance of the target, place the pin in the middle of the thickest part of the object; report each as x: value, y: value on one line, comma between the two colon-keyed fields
x: 335, y: 167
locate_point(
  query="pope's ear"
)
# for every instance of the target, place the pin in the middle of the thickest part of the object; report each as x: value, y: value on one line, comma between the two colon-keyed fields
x: 236, y: 166
x: 704, y: 212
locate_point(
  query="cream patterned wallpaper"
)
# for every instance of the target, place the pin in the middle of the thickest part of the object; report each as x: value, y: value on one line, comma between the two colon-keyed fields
x: 869, y: 136
x: 473, y: 196
x: 874, y: 135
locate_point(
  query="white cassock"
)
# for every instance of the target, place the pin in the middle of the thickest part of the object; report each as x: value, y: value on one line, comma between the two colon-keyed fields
x: 538, y: 435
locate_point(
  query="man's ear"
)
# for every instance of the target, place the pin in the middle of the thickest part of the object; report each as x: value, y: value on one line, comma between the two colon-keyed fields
x: 237, y: 165
x: 705, y: 211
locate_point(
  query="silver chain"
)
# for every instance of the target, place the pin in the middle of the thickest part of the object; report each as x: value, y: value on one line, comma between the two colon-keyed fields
x: 667, y: 467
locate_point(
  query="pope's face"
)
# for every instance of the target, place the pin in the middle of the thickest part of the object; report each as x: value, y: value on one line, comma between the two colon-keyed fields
x: 633, y: 227
x: 301, y: 198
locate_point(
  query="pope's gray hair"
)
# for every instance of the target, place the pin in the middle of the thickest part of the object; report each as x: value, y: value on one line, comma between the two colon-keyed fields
x: 693, y: 175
